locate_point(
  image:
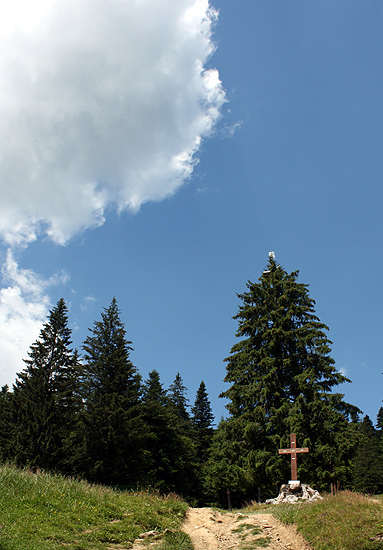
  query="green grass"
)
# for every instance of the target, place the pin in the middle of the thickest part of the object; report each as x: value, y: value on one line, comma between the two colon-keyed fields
x: 246, y: 528
x: 348, y: 521
x: 175, y: 541
x: 262, y: 542
x: 48, y: 512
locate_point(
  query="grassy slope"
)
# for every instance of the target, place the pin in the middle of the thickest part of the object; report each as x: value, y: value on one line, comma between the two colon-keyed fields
x: 347, y: 521
x: 43, y: 511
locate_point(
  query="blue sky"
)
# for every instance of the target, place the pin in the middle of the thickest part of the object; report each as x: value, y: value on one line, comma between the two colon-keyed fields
x: 290, y: 161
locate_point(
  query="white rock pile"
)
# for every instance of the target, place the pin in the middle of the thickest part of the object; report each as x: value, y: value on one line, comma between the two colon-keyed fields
x: 295, y: 492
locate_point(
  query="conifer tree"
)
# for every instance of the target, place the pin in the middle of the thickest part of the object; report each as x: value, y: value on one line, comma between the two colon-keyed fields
x: 227, y: 465
x: 379, y: 419
x: 5, y: 424
x: 113, y: 429
x: 202, y: 422
x: 282, y: 379
x: 160, y: 446
x: 189, y: 459
x: 202, y: 418
x: 45, y: 400
x: 169, y: 447
x: 379, y: 432
x: 368, y: 467
x: 177, y: 395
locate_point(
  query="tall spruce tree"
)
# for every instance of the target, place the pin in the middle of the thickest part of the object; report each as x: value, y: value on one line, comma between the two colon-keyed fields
x: 45, y: 401
x: 177, y: 396
x: 170, y: 457
x: 282, y: 379
x: 113, y: 428
x: 379, y: 419
x: 188, y: 459
x: 202, y: 422
x: 161, y: 441
x: 368, y: 467
x: 5, y: 424
x: 202, y: 419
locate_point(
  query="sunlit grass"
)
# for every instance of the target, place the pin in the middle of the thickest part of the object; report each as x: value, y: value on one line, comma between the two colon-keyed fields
x: 348, y: 521
x: 44, y: 511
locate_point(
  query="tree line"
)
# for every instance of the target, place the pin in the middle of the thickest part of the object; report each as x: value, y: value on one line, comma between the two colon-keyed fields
x: 91, y: 415
x: 95, y: 418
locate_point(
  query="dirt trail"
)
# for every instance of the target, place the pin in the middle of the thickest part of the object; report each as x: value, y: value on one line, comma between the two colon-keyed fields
x: 213, y: 530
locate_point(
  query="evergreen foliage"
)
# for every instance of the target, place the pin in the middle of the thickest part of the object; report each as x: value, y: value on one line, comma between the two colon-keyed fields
x: 177, y: 395
x: 45, y: 401
x: 379, y: 419
x: 202, y: 419
x: 282, y: 379
x: 368, y: 466
x: 111, y: 386
x: 187, y: 461
x: 96, y: 419
x: 227, y: 465
x: 202, y: 424
x: 5, y: 424
x: 161, y: 439
x: 169, y: 447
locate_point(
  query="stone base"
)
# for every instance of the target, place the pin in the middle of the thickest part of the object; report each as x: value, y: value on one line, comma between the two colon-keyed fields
x: 295, y: 492
x: 293, y: 484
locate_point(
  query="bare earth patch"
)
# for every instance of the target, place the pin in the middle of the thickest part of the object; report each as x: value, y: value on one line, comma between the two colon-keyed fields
x: 213, y: 530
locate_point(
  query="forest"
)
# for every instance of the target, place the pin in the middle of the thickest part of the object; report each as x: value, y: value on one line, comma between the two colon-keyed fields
x: 89, y: 414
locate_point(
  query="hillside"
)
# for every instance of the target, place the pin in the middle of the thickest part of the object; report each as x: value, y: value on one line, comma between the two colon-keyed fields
x: 43, y: 511
x: 48, y: 512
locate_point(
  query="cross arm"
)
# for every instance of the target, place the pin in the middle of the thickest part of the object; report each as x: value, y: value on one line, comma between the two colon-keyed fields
x: 290, y: 451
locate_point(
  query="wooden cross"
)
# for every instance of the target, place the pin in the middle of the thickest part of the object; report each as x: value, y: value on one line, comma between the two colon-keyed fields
x: 293, y: 452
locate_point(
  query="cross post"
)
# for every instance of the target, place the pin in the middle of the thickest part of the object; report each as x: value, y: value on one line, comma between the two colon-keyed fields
x: 293, y: 451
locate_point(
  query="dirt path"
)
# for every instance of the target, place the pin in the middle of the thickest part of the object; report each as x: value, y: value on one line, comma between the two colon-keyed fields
x: 213, y: 530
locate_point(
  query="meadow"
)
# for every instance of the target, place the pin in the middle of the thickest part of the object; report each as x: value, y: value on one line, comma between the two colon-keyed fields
x: 347, y: 521
x: 45, y: 511
x: 49, y: 512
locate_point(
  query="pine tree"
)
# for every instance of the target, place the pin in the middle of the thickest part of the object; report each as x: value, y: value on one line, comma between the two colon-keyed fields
x: 169, y: 447
x: 202, y: 422
x: 161, y: 441
x: 190, y: 455
x: 5, y: 424
x: 282, y: 379
x: 203, y: 419
x: 177, y: 395
x: 227, y: 466
x: 379, y: 419
x: 379, y: 433
x: 113, y: 428
x: 45, y: 398
x: 368, y: 468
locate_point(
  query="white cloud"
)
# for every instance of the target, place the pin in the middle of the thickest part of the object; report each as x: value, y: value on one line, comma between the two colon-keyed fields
x: 24, y: 306
x: 344, y: 371
x: 229, y: 130
x: 87, y: 303
x: 102, y: 102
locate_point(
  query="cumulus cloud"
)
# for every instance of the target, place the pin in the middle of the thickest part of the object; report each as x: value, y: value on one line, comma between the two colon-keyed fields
x: 102, y: 102
x: 24, y: 306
